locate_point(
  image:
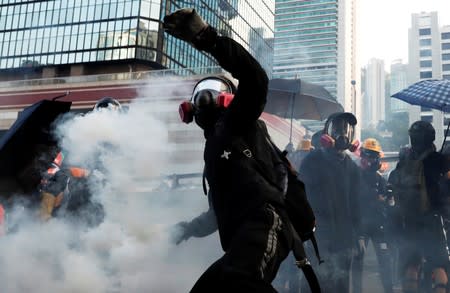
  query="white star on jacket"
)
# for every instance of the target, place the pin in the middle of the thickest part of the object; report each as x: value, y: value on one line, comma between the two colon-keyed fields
x: 225, y: 155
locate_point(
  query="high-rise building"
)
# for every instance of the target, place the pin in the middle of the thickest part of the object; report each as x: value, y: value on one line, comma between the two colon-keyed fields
x: 373, y: 109
x: 73, y: 37
x: 316, y: 40
x: 445, y: 47
x: 398, y: 82
x: 426, y: 56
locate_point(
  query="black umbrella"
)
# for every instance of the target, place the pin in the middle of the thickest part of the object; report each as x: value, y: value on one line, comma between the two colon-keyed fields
x: 26, y: 146
x: 297, y: 99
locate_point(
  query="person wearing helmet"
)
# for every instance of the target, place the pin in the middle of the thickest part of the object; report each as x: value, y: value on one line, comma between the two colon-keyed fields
x: 65, y: 193
x: 247, y: 200
x: 108, y: 104
x: 415, y: 184
x: 332, y: 180
x: 303, y: 149
x: 374, y: 210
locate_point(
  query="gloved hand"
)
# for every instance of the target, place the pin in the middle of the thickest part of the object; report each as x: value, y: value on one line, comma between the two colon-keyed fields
x: 180, y: 232
x: 184, y: 24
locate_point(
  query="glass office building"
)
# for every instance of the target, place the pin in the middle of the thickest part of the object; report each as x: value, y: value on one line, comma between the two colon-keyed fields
x: 58, y: 32
x: 306, y: 41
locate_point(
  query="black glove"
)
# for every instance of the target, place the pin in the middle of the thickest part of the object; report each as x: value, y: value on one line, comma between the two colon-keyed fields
x: 181, y: 232
x: 184, y: 24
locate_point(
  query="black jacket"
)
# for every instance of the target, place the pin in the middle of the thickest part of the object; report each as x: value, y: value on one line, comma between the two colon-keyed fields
x: 435, y: 168
x: 373, y: 210
x: 237, y: 188
x: 333, y: 186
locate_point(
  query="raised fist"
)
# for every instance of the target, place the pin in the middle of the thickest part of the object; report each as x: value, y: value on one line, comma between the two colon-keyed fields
x: 184, y: 24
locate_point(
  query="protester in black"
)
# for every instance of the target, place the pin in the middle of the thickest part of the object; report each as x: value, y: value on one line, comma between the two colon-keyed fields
x: 375, y: 207
x: 254, y: 231
x: 333, y: 183
x: 416, y: 182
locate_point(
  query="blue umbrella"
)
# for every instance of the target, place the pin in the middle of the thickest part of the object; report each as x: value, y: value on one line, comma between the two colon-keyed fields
x: 430, y: 93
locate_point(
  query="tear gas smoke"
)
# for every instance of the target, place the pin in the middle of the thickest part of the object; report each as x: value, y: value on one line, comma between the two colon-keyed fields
x: 130, y: 251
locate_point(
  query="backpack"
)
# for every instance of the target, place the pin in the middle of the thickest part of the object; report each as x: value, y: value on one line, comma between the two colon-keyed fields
x: 296, y: 203
x: 411, y: 186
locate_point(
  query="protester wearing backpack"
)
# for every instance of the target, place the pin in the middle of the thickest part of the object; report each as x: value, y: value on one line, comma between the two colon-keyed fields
x: 248, y: 203
x: 416, y: 187
x: 333, y: 183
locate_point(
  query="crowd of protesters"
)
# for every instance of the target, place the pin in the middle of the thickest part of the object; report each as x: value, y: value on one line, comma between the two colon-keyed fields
x: 403, y: 215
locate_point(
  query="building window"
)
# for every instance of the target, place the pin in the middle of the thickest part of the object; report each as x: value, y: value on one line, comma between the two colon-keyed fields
x: 425, y: 53
x: 445, y: 56
x: 426, y: 74
x: 446, y: 67
x: 424, y: 32
x: 427, y: 118
x: 445, y: 36
x: 425, y: 63
x: 425, y: 42
x: 446, y: 76
x: 445, y: 46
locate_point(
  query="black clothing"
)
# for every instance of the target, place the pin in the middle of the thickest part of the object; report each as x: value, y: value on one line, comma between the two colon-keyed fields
x: 332, y: 183
x: 252, y: 225
x: 255, y: 253
x: 374, y: 219
x: 415, y: 185
x: 78, y: 203
x: 237, y: 189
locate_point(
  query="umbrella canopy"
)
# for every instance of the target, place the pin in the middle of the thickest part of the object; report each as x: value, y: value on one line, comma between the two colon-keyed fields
x: 431, y: 93
x: 297, y: 99
x: 27, y: 144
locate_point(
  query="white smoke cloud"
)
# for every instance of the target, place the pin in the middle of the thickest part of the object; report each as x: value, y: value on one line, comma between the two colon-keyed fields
x: 131, y: 250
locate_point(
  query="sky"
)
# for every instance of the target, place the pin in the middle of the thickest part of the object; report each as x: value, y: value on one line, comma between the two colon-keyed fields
x: 384, y: 25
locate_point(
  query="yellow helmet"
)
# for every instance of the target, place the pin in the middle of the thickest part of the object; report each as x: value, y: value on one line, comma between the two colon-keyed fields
x: 371, y: 144
x: 305, y: 145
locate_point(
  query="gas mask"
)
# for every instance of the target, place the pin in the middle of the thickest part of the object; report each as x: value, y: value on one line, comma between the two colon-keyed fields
x: 339, y: 132
x: 107, y: 104
x: 209, y: 98
x: 370, y: 160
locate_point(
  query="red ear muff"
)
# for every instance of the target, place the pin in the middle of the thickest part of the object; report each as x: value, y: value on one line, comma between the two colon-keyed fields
x: 354, y: 146
x: 224, y: 99
x: 326, y: 141
x: 186, y: 111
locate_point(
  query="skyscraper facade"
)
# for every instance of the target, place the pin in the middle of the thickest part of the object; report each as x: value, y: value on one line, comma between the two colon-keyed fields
x: 426, y: 62
x: 398, y: 81
x: 316, y: 40
x: 39, y: 34
x: 445, y: 47
x: 373, y: 110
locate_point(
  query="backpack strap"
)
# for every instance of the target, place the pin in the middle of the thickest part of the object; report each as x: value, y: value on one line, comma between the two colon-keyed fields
x: 303, y: 263
x: 298, y: 250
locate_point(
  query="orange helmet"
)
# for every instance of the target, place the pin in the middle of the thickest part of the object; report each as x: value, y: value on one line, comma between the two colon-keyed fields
x: 371, y: 144
x: 371, y: 154
x: 305, y: 145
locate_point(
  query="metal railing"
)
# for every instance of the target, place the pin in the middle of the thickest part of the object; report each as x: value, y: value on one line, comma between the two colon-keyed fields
x: 124, y: 76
